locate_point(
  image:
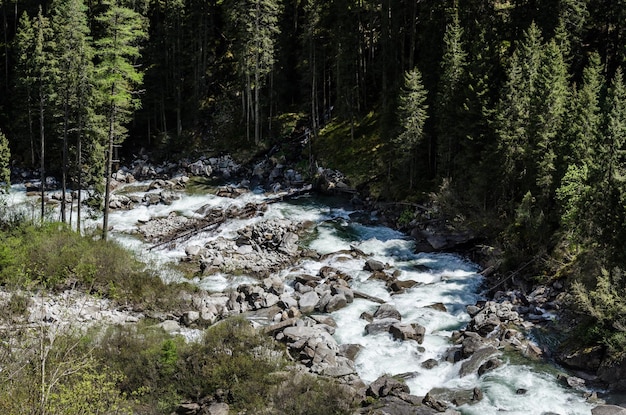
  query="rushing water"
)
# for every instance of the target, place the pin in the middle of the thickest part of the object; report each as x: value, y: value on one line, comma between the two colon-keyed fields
x: 446, y: 279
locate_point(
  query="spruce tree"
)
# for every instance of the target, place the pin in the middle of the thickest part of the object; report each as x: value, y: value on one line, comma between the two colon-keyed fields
x: 37, y: 73
x: 255, y: 24
x: 549, y: 105
x: 118, y: 75
x: 613, y: 182
x: 515, y: 126
x: 413, y: 115
x: 579, y: 154
x: 74, y: 53
x: 449, y: 98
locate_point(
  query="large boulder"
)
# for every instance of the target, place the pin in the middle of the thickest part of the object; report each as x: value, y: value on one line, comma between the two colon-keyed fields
x: 402, y: 331
x: 380, y: 326
x: 386, y: 311
x: 308, y: 301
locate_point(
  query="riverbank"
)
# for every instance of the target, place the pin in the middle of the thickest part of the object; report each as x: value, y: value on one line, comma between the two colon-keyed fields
x: 271, y: 246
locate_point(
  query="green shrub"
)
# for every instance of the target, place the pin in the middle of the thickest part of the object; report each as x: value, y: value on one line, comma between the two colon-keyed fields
x: 606, y: 304
x: 304, y: 394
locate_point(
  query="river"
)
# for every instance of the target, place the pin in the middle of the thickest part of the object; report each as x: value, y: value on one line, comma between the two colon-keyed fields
x: 518, y: 387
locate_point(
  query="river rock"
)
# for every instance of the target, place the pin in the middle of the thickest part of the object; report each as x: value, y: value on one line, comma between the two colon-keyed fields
x: 608, y: 410
x: 351, y: 351
x: 336, y: 302
x: 489, y: 365
x: 432, y: 402
x: 398, y: 286
x: 386, y: 311
x: 308, y: 301
x: 385, y: 386
x: 472, y: 364
x: 414, y: 331
x: 380, y: 325
x: 373, y: 265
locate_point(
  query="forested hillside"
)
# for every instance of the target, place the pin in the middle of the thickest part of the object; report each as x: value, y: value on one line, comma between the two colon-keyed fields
x: 513, y: 113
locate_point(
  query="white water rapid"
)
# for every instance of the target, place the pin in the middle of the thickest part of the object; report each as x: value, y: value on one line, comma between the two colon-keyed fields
x: 446, y: 279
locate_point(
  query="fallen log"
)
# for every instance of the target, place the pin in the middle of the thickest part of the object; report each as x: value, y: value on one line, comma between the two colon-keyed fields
x: 359, y: 294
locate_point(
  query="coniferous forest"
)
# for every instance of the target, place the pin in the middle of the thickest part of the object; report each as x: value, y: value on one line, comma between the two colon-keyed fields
x: 511, y: 114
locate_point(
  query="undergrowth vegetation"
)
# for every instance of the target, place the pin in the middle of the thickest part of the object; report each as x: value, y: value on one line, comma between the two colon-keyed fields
x: 141, y: 369
x: 52, y: 256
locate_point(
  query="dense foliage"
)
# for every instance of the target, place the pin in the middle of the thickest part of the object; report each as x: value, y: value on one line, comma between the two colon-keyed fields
x: 516, y: 109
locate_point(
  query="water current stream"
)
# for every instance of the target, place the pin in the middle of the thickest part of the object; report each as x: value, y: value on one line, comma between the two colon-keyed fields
x: 445, y: 278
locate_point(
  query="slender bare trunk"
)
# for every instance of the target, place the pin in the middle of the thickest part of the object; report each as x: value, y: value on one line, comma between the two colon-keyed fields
x: 109, y: 168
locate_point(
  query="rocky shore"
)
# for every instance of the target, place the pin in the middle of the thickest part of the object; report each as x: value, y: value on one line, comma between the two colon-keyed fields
x: 295, y: 310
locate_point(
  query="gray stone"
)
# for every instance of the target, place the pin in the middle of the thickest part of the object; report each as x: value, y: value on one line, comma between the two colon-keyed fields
x: 608, y: 410
x: 336, y: 302
x: 385, y: 386
x: 387, y: 311
x: 380, y: 326
x: 374, y: 265
x: 190, y: 317
x: 414, y: 331
x: 476, y: 360
x: 220, y: 408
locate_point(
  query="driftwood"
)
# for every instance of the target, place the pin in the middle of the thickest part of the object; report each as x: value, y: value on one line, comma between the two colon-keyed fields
x: 217, y: 216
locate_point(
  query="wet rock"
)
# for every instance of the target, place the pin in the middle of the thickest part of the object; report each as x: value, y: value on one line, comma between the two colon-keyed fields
x: 489, y: 365
x: 471, y: 344
x: 373, y: 265
x: 429, y: 364
x: 345, y: 291
x: 437, y: 405
x: 414, y: 331
x: 571, y: 381
x: 336, y: 302
x: 476, y: 360
x: 350, y: 351
x: 439, y: 307
x: 386, y: 311
x: 399, y: 286
x: 380, y: 326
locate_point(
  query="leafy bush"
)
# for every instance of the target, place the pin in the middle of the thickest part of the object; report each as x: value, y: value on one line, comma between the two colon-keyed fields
x: 304, y: 394
x: 53, y: 256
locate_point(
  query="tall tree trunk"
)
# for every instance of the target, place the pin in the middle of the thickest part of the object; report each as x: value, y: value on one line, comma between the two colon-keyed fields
x: 257, y: 121
x: 42, y: 140
x: 79, y: 166
x: 64, y: 169
x: 109, y: 168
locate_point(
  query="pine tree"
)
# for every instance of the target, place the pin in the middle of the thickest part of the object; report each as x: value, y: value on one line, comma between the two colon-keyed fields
x: 74, y: 52
x: 413, y: 115
x: 119, y: 77
x: 450, y: 98
x: 579, y: 155
x: 37, y: 73
x: 549, y: 106
x: 255, y: 24
x: 515, y: 127
x: 25, y: 80
x: 613, y: 180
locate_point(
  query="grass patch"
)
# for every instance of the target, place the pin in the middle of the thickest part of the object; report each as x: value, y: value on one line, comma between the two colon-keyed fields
x: 52, y: 256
